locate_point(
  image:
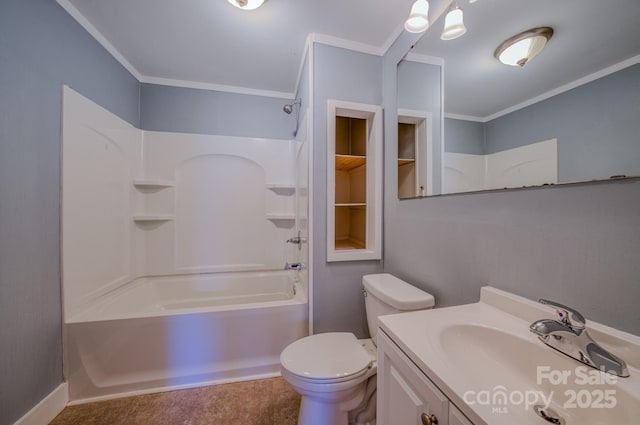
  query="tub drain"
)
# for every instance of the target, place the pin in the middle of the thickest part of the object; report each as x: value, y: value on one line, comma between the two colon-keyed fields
x: 548, y: 415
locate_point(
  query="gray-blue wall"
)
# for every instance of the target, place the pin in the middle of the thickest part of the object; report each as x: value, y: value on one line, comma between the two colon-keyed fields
x: 303, y: 92
x: 41, y: 47
x: 462, y: 136
x: 356, y: 77
x: 185, y: 110
x: 597, y: 126
x: 596, y: 139
x: 577, y: 244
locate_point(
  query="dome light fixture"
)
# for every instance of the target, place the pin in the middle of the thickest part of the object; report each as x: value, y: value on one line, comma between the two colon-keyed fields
x: 247, y: 4
x: 453, y: 24
x: 418, y: 20
x: 521, y: 48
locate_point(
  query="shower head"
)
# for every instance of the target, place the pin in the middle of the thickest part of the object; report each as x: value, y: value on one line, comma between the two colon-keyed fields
x: 289, y: 108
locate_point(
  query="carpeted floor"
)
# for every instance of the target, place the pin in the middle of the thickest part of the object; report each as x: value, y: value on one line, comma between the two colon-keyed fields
x: 262, y: 402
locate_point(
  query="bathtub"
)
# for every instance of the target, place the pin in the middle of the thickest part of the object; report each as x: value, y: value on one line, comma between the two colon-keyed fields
x: 172, y: 332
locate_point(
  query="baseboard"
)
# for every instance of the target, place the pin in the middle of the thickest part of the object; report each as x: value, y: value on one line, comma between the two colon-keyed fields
x: 48, y: 408
x: 173, y: 388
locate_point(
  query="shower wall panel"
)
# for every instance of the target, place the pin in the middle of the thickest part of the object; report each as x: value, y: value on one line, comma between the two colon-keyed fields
x: 145, y: 203
x: 100, y: 154
x: 233, y: 204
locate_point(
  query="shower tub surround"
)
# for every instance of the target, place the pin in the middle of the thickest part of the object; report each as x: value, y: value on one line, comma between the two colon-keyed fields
x: 177, y: 331
x: 173, y: 249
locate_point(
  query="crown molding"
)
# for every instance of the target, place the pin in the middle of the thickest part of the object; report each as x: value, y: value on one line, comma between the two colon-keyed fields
x: 572, y: 85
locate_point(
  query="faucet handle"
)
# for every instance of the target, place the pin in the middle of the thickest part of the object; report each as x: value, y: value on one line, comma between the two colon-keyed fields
x: 567, y: 315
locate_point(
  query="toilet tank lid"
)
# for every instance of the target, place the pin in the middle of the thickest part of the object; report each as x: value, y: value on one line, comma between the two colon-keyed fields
x: 397, y: 293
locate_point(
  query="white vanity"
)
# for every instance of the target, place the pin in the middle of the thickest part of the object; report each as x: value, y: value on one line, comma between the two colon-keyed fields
x: 478, y: 364
x: 405, y: 393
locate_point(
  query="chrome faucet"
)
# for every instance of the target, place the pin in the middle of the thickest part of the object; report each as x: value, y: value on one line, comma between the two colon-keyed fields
x: 294, y: 266
x: 299, y: 240
x: 569, y: 336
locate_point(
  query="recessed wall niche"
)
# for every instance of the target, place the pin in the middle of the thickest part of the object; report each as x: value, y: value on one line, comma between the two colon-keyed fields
x: 354, y: 181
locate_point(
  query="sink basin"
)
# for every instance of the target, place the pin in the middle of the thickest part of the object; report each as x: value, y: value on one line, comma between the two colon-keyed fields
x: 486, y: 361
x: 509, y: 368
x: 483, y: 353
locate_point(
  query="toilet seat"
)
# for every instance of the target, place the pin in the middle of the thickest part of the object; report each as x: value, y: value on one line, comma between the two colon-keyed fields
x: 326, y: 358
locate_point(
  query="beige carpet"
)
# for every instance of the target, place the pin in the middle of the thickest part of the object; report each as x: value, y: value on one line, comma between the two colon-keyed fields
x: 262, y: 402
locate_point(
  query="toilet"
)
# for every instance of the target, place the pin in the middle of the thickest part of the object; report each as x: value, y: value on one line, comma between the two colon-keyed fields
x: 334, y: 372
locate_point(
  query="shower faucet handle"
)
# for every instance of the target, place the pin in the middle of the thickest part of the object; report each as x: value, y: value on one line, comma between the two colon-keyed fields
x: 299, y: 240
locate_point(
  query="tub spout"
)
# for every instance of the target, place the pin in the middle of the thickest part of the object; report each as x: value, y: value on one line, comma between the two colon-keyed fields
x: 294, y: 266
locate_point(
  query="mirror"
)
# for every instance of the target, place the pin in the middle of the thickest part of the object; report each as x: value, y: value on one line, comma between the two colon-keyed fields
x: 419, y: 125
x: 572, y: 114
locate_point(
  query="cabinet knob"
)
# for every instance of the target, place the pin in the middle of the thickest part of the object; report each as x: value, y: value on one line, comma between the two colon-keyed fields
x: 429, y: 419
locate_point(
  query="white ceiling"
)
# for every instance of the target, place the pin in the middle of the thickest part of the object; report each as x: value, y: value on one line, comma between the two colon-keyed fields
x: 211, y: 43
x: 589, y: 35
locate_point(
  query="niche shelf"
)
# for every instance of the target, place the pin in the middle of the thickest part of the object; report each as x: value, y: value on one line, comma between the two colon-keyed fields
x: 407, y: 172
x: 349, y: 162
x: 354, y: 181
x: 415, y: 154
x: 405, y: 161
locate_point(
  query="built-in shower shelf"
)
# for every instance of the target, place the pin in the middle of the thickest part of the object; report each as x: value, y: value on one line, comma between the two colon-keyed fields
x: 275, y: 186
x: 281, y: 188
x: 149, y: 184
x: 281, y: 217
x: 152, y: 217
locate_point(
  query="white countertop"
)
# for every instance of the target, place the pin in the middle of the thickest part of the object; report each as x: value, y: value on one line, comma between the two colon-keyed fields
x: 474, y: 352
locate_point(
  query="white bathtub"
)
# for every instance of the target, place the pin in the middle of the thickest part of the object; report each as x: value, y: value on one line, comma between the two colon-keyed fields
x: 182, y: 331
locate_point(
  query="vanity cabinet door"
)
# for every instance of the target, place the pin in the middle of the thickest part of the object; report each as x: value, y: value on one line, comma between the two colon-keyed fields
x: 405, y: 395
x: 456, y: 417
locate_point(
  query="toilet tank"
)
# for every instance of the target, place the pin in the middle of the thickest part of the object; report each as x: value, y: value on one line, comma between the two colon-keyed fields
x: 386, y: 294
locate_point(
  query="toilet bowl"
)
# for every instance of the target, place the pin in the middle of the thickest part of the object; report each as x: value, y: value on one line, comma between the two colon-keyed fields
x: 334, y: 372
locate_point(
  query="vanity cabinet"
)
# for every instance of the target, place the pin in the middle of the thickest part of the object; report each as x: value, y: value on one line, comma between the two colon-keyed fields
x: 405, y: 394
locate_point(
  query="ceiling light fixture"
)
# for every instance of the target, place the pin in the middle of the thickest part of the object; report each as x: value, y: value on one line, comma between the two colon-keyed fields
x: 453, y: 24
x: 247, y: 4
x: 418, y: 20
x: 521, y: 48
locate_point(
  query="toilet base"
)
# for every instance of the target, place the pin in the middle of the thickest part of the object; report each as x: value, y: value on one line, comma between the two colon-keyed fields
x: 337, y: 403
x: 313, y: 412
